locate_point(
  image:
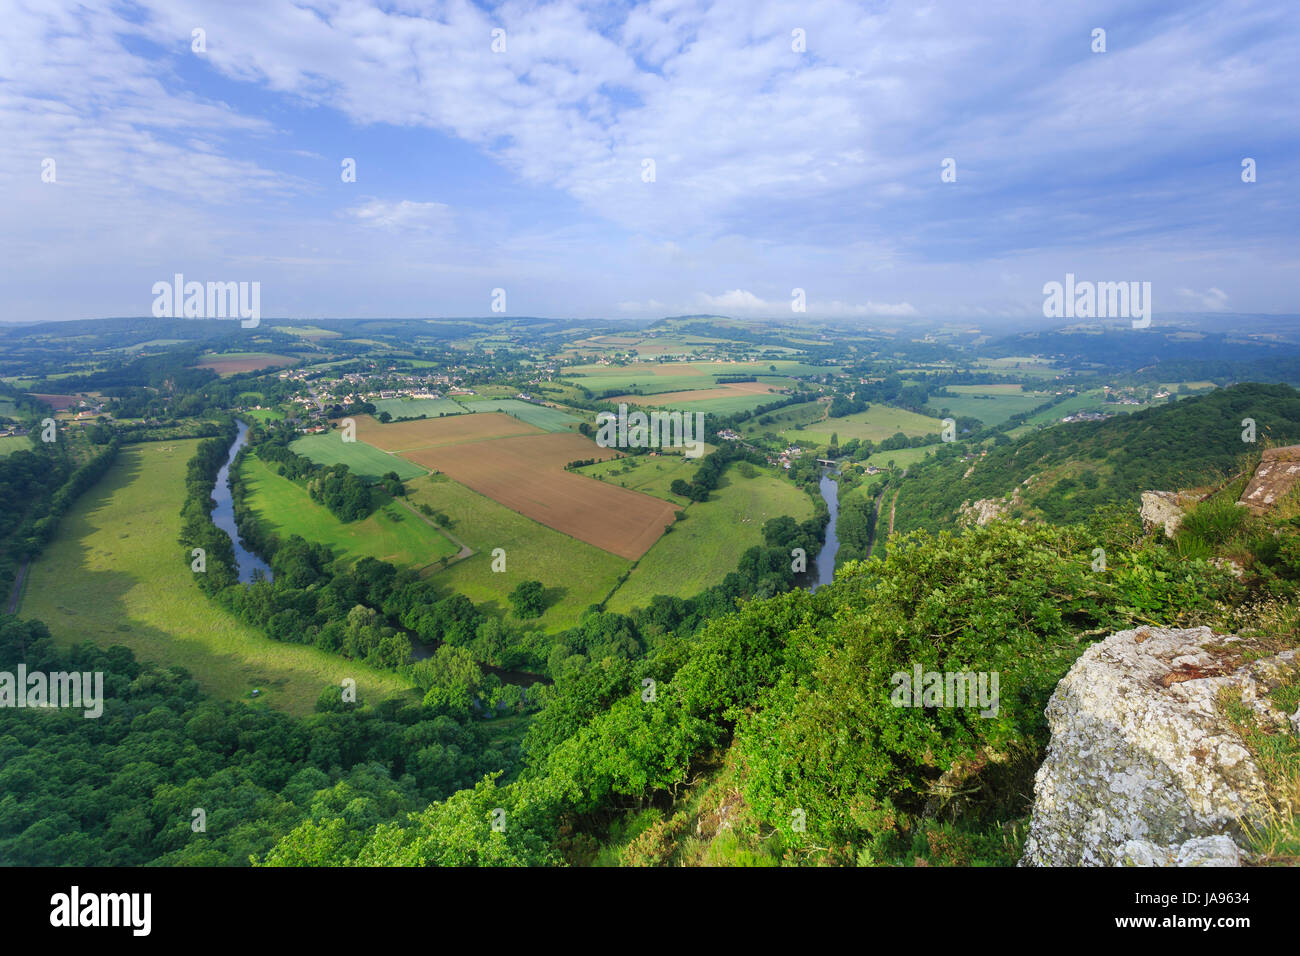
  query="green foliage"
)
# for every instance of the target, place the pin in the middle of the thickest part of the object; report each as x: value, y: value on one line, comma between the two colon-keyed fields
x: 528, y: 600
x: 121, y: 789
x: 1094, y: 464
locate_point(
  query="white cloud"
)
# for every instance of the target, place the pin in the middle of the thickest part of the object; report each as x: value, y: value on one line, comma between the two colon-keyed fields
x: 404, y: 214
x: 1211, y: 300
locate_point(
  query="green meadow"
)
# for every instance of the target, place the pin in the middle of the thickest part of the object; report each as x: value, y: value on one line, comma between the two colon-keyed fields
x: 576, y: 574
x: 875, y: 424
x: 12, y: 443
x: 991, y: 404
x: 651, y: 476
x: 704, y: 547
x: 116, y: 574
x: 329, y: 448
x: 901, y: 457
x: 391, y: 533
x: 777, y: 422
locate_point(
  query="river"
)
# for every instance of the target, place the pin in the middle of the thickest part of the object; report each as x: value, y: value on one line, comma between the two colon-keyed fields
x: 223, y: 515
x: 830, y: 490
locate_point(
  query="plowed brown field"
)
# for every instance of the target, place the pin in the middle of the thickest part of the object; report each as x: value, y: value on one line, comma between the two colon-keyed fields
x: 452, y: 430
x: 526, y: 474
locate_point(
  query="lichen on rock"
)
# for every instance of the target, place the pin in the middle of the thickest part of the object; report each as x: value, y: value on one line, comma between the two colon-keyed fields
x: 1141, y: 763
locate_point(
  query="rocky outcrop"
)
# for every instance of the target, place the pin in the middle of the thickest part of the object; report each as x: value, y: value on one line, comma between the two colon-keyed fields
x: 1142, y: 768
x: 981, y: 512
x: 1276, y: 475
x: 1164, y: 509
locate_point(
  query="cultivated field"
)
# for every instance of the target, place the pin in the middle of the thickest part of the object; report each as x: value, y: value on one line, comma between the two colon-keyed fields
x: 525, y: 473
x: 116, y: 574
x: 329, y: 448
x: 575, y: 574
x: 57, y: 402
x: 230, y: 363
x: 701, y: 550
x: 391, y: 533
x: 547, y: 419
x: 722, y: 399
x: 412, y: 407
x: 437, y: 432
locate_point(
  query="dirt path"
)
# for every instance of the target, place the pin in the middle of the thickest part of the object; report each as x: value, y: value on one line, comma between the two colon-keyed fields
x: 465, y: 550
x: 17, y: 591
x: 875, y: 536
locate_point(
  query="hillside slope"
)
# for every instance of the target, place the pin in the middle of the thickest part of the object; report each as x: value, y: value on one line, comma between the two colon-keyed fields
x: 1066, y: 472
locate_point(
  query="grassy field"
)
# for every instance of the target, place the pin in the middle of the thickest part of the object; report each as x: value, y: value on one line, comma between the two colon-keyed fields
x: 702, y: 549
x: 779, y: 421
x: 329, y: 448
x: 1027, y: 365
x: 115, y: 574
x: 412, y: 407
x: 12, y: 443
x: 547, y: 419
x: 902, y: 457
x: 391, y: 533
x: 991, y: 404
x: 875, y: 424
x: 653, y: 476
x: 576, y: 574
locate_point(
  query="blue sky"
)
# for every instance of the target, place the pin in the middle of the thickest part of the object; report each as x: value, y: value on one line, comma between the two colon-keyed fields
x: 775, y: 169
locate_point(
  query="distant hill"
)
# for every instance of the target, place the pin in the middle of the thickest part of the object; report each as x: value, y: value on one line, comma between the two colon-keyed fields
x: 1118, y: 348
x: 1075, y: 468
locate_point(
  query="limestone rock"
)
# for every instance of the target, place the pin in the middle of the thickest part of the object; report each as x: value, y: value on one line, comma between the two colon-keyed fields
x: 1199, y: 851
x: 1164, y: 509
x: 1141, y: 764
x: 1276, y: 475
x: 981, y: 512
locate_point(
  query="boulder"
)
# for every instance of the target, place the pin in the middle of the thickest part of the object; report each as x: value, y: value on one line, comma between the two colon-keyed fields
x: 1164, y: 509
x: 1142, y: 768
x: 1277, y: 473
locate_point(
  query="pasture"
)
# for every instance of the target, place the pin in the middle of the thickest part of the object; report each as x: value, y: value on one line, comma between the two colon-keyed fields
x: 116, y: 574
x: 329, y: 448
x: 651, y: 476
x: 991, y: 404
x: 391, y: 533
x: 12, y: 443
x: 790, y: 417
x: 704, y: 547
x: 526, y: 474
x: 875, y: 424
